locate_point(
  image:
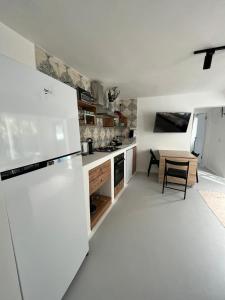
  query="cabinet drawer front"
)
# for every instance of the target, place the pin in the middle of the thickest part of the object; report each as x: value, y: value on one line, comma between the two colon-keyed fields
x: 105, y: 167
x: 106, y: 171
x: 94, y: 185
x: 94, y: 173
x: 98, y: 176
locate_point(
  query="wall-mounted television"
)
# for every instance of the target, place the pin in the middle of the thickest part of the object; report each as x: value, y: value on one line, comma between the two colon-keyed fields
x: 171, y: 122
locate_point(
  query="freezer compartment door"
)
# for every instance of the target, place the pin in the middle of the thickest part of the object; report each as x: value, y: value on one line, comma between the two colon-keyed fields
x: 38, y: 116
x: 47, y: 218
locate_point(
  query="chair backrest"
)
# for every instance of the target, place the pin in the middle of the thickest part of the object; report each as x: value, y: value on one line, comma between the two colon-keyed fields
x: 152, y: 154
x: 177, y: 163
x: 195, y: 154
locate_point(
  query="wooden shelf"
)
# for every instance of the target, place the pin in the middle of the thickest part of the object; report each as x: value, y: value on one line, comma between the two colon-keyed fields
x: 84, y: 125
x: 102, y: 204
x: 120, y: 126
x: 108, y: 122
x: 86, y: 104
x: 87, y: 113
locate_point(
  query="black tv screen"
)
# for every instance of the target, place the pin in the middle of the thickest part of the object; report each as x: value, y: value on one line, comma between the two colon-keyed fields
x: 171, y: 122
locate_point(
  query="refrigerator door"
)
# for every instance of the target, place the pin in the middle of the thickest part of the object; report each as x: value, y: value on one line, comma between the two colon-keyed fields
x: 38, y: 116
x: 47, y: 219
x: 9, y: 284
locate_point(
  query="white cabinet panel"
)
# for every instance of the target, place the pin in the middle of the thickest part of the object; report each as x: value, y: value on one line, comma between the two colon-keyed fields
x: 47, y: 216
x: 38, y: 117
x: 129, y: 164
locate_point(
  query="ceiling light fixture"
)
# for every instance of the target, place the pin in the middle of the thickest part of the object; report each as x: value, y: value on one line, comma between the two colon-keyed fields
x: 209, y: 55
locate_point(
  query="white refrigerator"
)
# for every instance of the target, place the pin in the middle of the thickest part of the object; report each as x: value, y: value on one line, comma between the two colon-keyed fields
x: 41, y: 182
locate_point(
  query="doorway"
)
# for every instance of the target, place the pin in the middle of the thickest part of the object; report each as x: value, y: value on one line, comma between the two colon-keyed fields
x: 198, y: 135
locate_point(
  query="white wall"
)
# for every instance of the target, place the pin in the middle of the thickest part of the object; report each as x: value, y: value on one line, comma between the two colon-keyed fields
x: 147, y: 108
x: 17, y: 47
x: 214, y: 149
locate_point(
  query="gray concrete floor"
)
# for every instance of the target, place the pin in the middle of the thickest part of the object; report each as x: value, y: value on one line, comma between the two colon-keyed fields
x: 156, y: 247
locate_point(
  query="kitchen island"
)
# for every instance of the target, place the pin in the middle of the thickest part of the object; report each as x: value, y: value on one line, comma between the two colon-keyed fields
x: 98, y: 173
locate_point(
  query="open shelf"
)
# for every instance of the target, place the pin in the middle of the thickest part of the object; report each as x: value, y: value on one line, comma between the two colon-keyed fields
x: 84, y: 125
x: 102, y: 204
x: 86, y: 104
x: 120, y: 126
x: 87, y: 113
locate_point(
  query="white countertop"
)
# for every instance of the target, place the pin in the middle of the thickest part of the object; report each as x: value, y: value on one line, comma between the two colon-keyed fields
x: 92, y: 160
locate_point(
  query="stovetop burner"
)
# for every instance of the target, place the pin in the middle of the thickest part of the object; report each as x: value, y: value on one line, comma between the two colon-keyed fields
x: 106, y: 149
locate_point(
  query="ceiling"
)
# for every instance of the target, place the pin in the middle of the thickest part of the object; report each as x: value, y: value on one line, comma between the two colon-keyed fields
x: 143, y: 46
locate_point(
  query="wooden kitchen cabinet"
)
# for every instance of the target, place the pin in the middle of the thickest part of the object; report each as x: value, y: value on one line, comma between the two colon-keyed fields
x: 98, y: 176
x: 108, y: 122
x: 134, y: 160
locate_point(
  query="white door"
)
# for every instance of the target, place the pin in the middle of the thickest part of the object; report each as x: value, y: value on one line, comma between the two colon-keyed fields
x: 47, y: 217
x: 129, y: 163
x: 38, y: 116
x: 199, y: 140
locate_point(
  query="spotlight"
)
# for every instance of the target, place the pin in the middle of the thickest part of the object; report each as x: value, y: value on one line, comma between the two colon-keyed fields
x: 208, y: 60
x: 209, y: 55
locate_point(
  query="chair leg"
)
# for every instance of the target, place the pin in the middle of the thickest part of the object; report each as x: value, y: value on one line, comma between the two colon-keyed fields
x: 163, y: 184
x: 149, y: 167
x: 197, y: 176
x: 185, y: 191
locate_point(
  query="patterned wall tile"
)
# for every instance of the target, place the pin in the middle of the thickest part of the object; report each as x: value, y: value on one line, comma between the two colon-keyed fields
x: 56, y: 68
x: 101, y: 136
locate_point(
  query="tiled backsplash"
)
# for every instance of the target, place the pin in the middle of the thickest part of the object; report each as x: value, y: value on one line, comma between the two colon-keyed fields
x: 129, y: 109
x: 101, y: 136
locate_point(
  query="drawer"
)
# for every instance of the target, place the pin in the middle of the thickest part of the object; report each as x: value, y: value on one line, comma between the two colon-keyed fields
x: 98, y: 176
x: 94, y: 185
x: 103, y: 168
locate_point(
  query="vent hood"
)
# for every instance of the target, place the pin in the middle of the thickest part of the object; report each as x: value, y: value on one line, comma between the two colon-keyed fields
x: 103, y: 107
x: 97, y: 92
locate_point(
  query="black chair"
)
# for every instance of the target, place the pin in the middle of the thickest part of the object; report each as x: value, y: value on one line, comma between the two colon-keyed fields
x: 178, y: 173
x: 153, y: 161
x: 196, y: 155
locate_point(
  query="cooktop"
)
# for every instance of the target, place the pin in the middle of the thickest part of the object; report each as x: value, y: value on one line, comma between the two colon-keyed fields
x: 106, y: 149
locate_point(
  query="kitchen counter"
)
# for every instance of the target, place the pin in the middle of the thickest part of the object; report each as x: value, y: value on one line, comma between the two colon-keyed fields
x: 92, y: 160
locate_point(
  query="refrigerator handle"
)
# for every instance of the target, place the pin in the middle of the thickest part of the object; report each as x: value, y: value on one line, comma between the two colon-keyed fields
x: 36, y: 166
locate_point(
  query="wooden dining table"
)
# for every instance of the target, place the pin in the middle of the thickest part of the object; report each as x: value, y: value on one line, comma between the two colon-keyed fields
x: 175, y: 155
